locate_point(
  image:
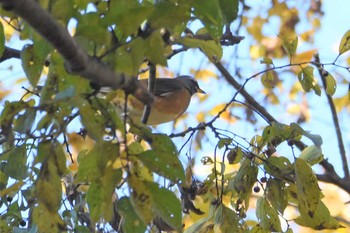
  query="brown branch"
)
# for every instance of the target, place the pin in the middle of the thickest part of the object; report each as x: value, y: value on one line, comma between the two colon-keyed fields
x: 10, y: 53
x: 77, y: 60
x: 323, y: 74
x: 240, y: 88
x: 151, y: 88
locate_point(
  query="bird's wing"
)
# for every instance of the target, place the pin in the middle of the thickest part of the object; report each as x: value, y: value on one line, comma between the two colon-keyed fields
x: 164, y: 86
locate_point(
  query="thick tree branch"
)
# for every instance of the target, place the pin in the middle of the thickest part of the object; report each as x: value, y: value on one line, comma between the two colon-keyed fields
x: 323, y: 74
x: 10, y: 53
x: 77, y: 60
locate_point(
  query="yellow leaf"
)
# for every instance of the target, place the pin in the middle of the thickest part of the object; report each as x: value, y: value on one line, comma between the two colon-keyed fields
x: 304, y: 56
x: 344, y: 43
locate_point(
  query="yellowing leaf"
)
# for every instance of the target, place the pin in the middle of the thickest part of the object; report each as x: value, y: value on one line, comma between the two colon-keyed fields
x: 304, y: 56
x: 312, y: 154
x: 290, y: 45
x: 140, y: 197
x: 268, y: 216
x: 269, y: 79
x: 308, y: 192
x: 344, y: 43
x: 266, y: 60
x: 331, y: 84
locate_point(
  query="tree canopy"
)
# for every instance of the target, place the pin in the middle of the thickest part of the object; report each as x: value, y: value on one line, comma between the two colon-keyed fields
x: 246, y: 157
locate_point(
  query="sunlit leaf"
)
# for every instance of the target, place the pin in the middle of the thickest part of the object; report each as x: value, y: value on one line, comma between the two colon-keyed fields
x: 204, y: 225
x: 344, y: 43
x: 269, y: 79
x: 209, y: 13
x: 308, y: 191
x: 307, y: 80
x: 211, y: 48
x: 276, y: 194
x: 267, y: 216
x: 141, y: 198
x: 225, y: 220
x: 321, y: 220
x: 312, y: 154
x: 331, y: 84
x: 266, y: 60
x: 290, y: 45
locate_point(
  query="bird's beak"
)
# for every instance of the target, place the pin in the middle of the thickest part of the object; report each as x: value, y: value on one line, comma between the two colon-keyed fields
x: 201, y: 91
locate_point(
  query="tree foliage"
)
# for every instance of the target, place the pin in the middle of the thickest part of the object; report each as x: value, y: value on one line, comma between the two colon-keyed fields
x: 71, y: 163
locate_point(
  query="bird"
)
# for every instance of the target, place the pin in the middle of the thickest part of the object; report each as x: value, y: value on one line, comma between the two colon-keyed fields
x: 172, y: 98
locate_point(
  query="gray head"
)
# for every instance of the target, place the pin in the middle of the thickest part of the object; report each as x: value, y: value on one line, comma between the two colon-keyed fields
x: 190, y: 84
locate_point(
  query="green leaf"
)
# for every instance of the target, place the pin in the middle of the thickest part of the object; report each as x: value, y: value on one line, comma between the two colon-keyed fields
x: 290, y: 45
x: 156, y: 50
x: 307, y: 80
x: 33, y: 59
x: 322, y: 219
x: 344, y: 43
x: 92, y: 29
x: 225, y: 220
x: 202, y: 226
x: 2, y: 39
x: 92, y: 164
x: 235, y: 155
x: 163, y: 159
x: 229, y: 10
x: 65, y: 94
x: 63, y: 10
x: 209, y: 13
x: 224, y: 142
x: 131, y: 222
x: 276, y: 194
x: 100, y: 201
x: 266, y: 60
x: 120, y: 11
x: 166, y: 206
x: 93, y: 121
x: 244, y: 180
x: 267, y: 216
x: 24, y: 122
x: 129, y: 57
x: 169, y: 14
x: 16, y: 166
x: 45, y: 220
x: 331, y: 84
x: 312, y: 154
x: 308, y: 192
x: 141, y: 198
x: 211, y: 48
x: 269, y: 79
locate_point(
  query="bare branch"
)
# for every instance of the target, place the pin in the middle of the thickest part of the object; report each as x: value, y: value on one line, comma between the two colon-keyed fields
x: 151, y: 88
x: 323, y: 75
x: 77, y: 60
x: 240, y: 88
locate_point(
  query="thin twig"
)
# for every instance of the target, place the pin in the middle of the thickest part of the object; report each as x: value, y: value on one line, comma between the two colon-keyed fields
x: 335, y: 119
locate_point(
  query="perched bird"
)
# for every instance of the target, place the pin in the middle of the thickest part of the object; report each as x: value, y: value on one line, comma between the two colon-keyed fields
x: 172, y: 98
